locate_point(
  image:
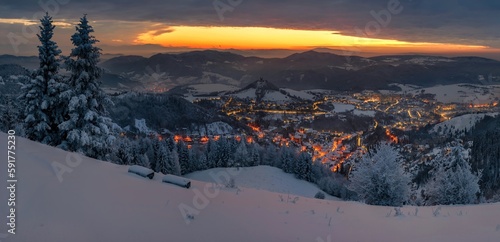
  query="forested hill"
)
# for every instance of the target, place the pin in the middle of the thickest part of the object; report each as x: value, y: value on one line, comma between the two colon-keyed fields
x: 486, y: 153
x: 160, y: 111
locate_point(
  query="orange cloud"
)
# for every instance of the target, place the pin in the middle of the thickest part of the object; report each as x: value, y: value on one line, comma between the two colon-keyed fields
x: 274, y: 38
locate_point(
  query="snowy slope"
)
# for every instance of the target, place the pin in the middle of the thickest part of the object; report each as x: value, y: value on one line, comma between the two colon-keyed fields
x: 205, y: 91
x: 215, y: 128
x: 271, y: 95
x: 99, y: 201
x: 300, y: 94
x: 463, y: 93
x: 460, y: 123
x: 455, y: 93
x: 202, y: 89
x: 266, y: 91
x: 265, y: 178
x: 276, y: 97
x: 249, y: 93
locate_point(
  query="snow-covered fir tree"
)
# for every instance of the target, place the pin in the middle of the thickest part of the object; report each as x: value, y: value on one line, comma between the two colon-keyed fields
x: 163, y: 159
x: 45, y: 108
x: 202, y: 163
x: 241, y: 156
x: 183, y: 154
x: 87, y: 129
x: 453, y: 181
x: 223, y: 153
x: 287, y: 159
x: 173, y: 166
x: 123, y: 153
x: 142, y: 160
x: 269, y: 157
x: 171, y: 145
x: 303, y: 166
x: 193, y: 160
x: 154, y: 154
x: 211, y: 153
x: 139, y: 152
x: 254, y: 154
x: 379, y: 178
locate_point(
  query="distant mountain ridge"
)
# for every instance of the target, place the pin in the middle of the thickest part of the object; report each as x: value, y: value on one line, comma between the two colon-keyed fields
x: 23, y: 65
x: 308, y: 70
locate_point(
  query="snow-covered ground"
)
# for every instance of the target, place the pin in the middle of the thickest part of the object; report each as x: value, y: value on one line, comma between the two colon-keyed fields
x: 284, y: 95
x: 100, y: 201
x: 207, y: 91
x: 318, y: 91
x: 404, y: 88
x: 300, y: 94
x: 249, y: 93
x: 459, y: 93
x: 265, y: 178
x: 273, y: 96
x: 368, y: 113
x: 428, y: 60
x: 199, y: 89
x: 465, y: 93
x: 341, y: 107
x: 215, y: 128
x: 460, y: 123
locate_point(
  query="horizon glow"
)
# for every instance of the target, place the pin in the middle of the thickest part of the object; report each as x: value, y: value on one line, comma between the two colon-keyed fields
x: 246, y: 38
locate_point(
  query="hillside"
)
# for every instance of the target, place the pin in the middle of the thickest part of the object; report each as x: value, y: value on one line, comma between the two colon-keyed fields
x: 299, y: 71
x: 12, y: 78
x: 23, y: 65
x: 264, y: 90
x: 460, y: 93
x: 265, y: 178
x: 459, y: 124
x: 99, y: 201
x: 160, y: 111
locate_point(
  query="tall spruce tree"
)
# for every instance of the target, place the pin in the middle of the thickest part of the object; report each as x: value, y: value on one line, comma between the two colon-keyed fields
x: 87, y: 129
x: 45, y: 109
x: 254, y: 154
x: 173, y: 164
x: 211, y: 154
x: 183, y: 154
x: 163, y: 160
x: 202, y: 163
x: 241, y: 155
x: 287, y: 159
x: 154, y: 158
x: 303, y: 166
x: 270, y: 158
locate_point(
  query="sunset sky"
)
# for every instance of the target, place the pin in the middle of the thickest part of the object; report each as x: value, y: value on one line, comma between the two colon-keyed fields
x: 358, y: 27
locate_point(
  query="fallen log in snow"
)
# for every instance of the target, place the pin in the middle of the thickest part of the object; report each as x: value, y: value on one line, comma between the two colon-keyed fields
x: 177, y: 180
x: 141, y: 171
